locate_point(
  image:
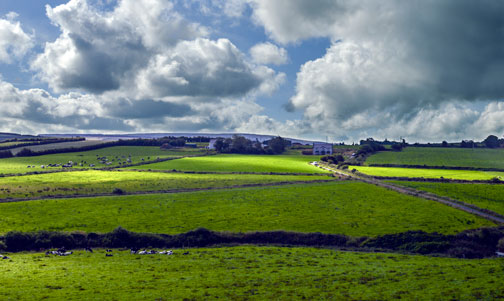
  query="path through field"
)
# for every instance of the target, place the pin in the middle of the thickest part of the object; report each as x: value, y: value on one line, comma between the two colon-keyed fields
x: 484, y: 213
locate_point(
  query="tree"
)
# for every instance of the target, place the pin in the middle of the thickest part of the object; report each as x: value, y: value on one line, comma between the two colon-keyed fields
x: 491, y: 141
x: 277, y: 145
x: 397, y: 147
x: 219, y: 145
x: 444, y: 144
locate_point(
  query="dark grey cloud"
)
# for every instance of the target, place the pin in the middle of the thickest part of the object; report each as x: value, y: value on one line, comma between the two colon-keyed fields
x: 392, y: 61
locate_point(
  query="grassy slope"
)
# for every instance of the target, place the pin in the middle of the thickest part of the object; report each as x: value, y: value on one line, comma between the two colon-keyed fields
x: 96, y: 181
x: 485, y: 196
x: 351, y: 208
x: 19, y: 164
x: 262, y: 273
x: 462, y: 157
x: 428, y: 173
x: 241, y: 163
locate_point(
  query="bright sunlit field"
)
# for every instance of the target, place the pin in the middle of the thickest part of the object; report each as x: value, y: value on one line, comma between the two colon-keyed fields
x: 241, y: 163
x: 98, y: 181
x: 428, y: 173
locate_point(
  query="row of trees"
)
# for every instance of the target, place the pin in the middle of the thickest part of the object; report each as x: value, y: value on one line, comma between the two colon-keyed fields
x: 242, y: 145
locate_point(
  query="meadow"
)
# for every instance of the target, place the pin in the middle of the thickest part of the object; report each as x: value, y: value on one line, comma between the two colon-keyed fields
x: 486, y: 196
x: 116, y: 153
x: 13, y: 143
x: 240, y: 163
x: 99, y: 181
x: 247, y: 272
x: 469, y: 175
x: 437, y: 156
x: 351, y: 208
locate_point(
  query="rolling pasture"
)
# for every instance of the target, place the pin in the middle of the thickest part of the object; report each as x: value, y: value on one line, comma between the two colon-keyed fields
x: 262, y: 273
x: 437, y: 156
x: 19, y: 164
x: 470, y: 175
x: 240, y: 163
x: 350, y: 208
x: 99, y: 182
x: 70, y: 144
x: 485, y: 196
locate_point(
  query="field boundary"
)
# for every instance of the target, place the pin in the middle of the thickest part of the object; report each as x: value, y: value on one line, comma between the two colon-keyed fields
x: 172, y: 191
x: 484, y: 213
x: 477, y: 243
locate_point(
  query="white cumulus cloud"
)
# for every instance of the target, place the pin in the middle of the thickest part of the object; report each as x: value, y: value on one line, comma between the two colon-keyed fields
x: 14, y: 41
x: 268, y: 53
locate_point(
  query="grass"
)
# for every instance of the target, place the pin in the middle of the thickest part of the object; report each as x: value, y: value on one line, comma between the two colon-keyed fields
x: 19, y: 164
x: 14, y: 143
x: 486, y: 196
x: 435, y: 156
x: 96, y: 181
x: 351, y: 208
x: 470, y: 175
x: 241, y: 163
x: 257, y: 273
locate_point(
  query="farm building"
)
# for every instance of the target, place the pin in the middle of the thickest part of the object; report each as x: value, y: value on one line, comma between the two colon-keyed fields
x: 211, y: 144
x: 320, y: 148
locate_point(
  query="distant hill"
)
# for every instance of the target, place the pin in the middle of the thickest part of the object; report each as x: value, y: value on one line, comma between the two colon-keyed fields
x: 8, y: 136
x: 159, y: 135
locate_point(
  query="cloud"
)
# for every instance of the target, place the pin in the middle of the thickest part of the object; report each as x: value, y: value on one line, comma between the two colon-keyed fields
x: 289, y: 21
x: 268, y: 53
x: 14, y: 42
x: 410, y: 63
x: 199, y: 68
x: 99, y: 51
x: 155, y: 54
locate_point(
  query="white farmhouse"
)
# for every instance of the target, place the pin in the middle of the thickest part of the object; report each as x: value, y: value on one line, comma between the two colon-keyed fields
x: 320, y: 148
x: 211, y: 144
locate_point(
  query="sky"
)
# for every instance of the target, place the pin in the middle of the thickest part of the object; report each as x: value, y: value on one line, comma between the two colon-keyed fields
x: 423, y: 70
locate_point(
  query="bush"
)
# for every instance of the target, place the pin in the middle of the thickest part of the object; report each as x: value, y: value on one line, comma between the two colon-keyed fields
x: 118, y: 191
x: 495, y: 180
x: 500, y: 244
x: 3, y: 246
x: 19, y: 241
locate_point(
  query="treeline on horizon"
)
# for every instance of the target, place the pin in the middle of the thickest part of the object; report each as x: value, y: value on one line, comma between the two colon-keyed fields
x: 491, y: 141
x: 241, y: 145
x: 476, y: 243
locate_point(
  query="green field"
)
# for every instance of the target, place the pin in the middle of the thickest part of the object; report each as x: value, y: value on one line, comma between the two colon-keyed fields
x: 97, y: 181
x: 470, y: 175
x: 19, y: 164
x: 436, y: 156
x: 258, y: 273
x: 14, y: 143
x: 351, y: 208
x: 241, y: 163
x: 486, y: 196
